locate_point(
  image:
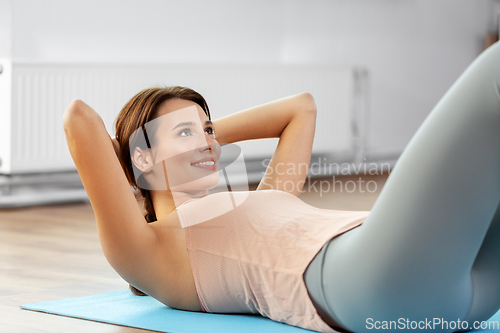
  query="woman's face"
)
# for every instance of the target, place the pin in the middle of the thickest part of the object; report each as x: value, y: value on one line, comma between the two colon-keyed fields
x: 183, y: 138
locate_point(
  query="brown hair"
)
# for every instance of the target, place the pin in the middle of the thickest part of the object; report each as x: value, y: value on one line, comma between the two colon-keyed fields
x: 139, y: 110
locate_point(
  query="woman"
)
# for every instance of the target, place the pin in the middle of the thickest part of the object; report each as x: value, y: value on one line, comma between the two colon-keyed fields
x: 427, y: 254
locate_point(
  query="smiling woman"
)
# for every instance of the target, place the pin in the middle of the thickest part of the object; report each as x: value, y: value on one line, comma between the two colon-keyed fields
x: 428, y: 249
x: 166, y: 145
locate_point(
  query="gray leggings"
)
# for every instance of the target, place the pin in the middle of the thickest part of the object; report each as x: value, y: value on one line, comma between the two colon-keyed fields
x: 430, y: 248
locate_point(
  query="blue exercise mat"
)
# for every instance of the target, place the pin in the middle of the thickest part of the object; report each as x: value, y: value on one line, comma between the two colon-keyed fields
x: 122, y: 307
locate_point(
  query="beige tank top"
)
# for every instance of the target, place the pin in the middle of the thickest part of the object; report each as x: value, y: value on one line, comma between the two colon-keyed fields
x: 250, y: 249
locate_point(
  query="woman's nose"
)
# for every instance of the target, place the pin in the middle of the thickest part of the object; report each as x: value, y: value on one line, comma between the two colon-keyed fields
x: 207, y: 142
x: 210, y: 138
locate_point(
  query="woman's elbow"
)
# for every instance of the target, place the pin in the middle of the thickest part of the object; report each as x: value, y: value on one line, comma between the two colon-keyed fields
x: 76, y: 111
x: 307, y: 102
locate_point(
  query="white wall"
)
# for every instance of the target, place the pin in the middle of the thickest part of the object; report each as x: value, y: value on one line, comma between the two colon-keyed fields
x: 414, y: 49
x: 5, y: 29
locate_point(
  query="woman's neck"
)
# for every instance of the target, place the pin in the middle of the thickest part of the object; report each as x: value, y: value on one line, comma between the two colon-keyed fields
x: 164, y: 202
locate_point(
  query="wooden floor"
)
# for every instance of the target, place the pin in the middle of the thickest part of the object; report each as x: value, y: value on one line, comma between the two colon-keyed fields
x: 53, y: 252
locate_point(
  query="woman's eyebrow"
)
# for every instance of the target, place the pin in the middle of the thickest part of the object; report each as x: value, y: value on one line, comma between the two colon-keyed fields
x: 190, y: 123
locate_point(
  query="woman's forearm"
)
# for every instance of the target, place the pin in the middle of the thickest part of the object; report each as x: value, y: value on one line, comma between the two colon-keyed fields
x: 263, y: 121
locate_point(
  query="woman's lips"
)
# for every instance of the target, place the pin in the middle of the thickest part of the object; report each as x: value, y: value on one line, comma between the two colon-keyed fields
x: 204, y: 166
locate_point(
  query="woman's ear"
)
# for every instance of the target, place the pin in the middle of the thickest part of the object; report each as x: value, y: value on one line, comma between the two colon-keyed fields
x: 142, y: 159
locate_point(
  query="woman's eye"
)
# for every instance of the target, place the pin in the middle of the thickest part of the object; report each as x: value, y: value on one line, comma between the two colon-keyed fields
x: 186, y: 130
x: 210, y: 130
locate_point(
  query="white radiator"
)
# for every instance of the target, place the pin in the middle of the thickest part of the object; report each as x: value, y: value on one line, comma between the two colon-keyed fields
x: 34, y: 95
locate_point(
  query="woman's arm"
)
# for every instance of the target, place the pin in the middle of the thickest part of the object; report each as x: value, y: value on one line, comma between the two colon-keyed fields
x: 127, y: 241
x: 263, y: 121
x: 293, y: 120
